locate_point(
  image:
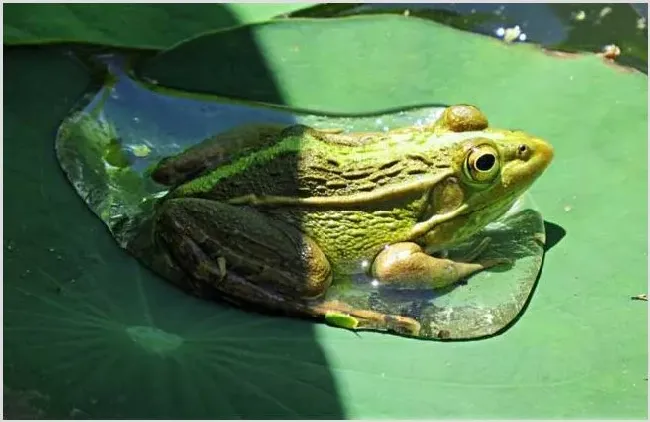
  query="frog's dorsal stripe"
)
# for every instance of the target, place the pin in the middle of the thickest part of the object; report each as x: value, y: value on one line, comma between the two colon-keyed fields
x: 339, y: 150
x: 387, y: 193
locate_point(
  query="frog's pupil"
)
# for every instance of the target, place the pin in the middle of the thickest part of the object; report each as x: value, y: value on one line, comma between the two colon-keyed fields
x: 485, y: 162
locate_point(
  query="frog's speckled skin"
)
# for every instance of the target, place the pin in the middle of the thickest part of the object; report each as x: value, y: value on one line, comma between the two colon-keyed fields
x: 378, y: 198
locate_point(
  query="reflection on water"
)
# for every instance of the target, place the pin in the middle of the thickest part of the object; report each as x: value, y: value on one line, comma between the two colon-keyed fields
x: 168, y: 123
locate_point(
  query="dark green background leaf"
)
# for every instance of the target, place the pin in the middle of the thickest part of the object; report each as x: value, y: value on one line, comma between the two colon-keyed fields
x: 347, y: 60
x: 579, y: 351
x: 148, y: 26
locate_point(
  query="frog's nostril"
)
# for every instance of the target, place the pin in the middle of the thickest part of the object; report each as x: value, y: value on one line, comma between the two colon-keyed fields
x: 524, y: 152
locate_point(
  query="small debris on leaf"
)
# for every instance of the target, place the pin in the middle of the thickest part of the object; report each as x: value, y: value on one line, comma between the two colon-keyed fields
x: 611, y: 51
x: 444, y: 334
x: 511, y: 34
x: 407, y: 12
x: 643, y: 297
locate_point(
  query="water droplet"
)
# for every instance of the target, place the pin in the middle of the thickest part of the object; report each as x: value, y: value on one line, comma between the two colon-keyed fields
x: 606, y: 11
x: 580, y: 15
x: 641, y: 23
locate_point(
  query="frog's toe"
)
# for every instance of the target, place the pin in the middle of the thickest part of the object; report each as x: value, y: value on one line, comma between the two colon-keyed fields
x: 342, y: 320
x: 221, y: 264
x: 372, y: 320
x: 496, y: 262
x: 403, y: 325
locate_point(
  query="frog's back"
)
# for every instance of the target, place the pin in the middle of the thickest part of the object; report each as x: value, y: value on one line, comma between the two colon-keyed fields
x: 335, y: 167
x: 304, y: 165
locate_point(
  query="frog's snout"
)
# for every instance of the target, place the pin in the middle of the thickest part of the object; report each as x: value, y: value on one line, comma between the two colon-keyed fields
x: 540, y: 155
x: 527, y: 160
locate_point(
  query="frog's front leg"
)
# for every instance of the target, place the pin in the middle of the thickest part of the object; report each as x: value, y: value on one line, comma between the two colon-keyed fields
x: 406, y: 264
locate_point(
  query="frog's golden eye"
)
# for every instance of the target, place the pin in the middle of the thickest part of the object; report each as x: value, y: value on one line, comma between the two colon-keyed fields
x: 482, y: 164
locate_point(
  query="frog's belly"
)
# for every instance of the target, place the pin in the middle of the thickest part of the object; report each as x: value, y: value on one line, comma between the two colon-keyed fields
x: 351, y: 239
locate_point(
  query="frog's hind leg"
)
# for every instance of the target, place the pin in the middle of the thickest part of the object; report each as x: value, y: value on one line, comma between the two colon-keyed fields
x: 341, y: 315
x: 242, y: 252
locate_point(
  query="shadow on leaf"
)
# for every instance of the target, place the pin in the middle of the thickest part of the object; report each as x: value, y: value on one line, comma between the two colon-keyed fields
x: 554, y: 234
x: 98, y: 335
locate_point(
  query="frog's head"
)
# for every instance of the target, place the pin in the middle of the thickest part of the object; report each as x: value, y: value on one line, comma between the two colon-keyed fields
x: 491, y: 169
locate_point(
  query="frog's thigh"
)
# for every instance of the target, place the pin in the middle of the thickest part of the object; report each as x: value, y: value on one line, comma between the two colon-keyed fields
x: 407, y: 264
x: 228, y: 240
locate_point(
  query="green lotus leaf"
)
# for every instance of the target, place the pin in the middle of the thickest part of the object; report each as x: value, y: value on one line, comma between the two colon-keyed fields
x: 90, y: 333
x: 145, y: 26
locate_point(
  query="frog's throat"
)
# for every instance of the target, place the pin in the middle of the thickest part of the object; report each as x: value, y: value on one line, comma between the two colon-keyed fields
x: 422, y: 228
x: 420, y: 184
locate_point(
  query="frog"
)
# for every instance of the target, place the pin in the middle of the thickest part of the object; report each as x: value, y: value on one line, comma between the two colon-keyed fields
x: 275, y: 215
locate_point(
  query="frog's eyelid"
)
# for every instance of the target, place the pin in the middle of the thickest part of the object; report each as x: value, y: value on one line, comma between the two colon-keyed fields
x: 467, y: 167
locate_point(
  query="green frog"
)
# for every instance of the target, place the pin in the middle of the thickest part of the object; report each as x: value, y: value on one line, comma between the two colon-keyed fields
x: 274, y: 216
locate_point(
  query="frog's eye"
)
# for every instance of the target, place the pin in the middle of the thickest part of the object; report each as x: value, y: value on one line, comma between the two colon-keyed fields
x: 482, y: 164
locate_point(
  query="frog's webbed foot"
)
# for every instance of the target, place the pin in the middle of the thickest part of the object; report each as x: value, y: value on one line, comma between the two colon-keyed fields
x: 407, y: 265
x: 478, y: 250
x: 341, y: 315
x: 469, y: 255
